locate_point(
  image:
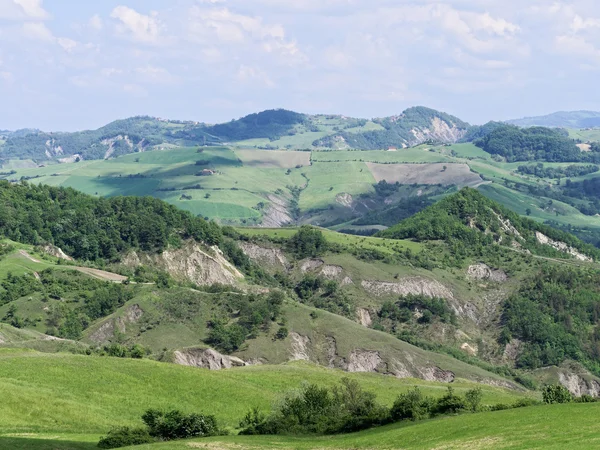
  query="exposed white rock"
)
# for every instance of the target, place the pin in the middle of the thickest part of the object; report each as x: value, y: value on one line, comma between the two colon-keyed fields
x: 485, y: 273
x: 311, y: 264
x: 561, y: 247
x: 272, y: 257
x: 406, y: 286
x: 364, y: 317
x: 206, y: 359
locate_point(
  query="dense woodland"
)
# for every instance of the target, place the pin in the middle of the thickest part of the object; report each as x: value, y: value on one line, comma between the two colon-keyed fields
x: 556, y: 313
x: 534, y: 144
x: 90, y: 228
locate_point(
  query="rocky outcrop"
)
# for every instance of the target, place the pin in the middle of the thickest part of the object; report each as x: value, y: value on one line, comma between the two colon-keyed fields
x: 364, y: 361
x: 56, y: 252
x: 106, y: 331
x: 193, y: 262
x: 439, y: 131
x: 578, y: 385
x: 437, y: 374
x: 344, y: 199
x: 482, y: 272
x: 277, y: 213
x: 512, y: 350
x: 311, y: 264
x: 406, y: 286
x: 206, y: 359
x: 272, y: 257
x: 561, y: 247
x: 364, y: 317
x: 300, y: 347
x: 331, y: 272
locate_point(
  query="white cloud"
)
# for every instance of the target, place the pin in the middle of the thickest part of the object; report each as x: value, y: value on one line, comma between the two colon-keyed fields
x: 221, y: 26
x: 23, y: 10
x: 37, y: 31
x: 249, y: 73
x: 110, y: 71
x: 154, y: 74
x: 96, y: 22
x: 68, y: 45
x: 579, y: 23
x: 207, y: 23
x: 140, y: 27
x: 576, y: 45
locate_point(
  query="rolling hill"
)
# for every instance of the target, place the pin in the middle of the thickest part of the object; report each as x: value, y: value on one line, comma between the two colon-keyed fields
x: 268, y: 129
x: 563, y: 119
x: 465, y: 293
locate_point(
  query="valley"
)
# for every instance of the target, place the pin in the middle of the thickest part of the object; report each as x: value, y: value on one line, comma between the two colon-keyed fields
x: 176, y: 270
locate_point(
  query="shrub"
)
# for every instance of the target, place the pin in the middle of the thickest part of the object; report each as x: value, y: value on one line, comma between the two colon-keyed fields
x: 282, y: 333
x: 411, y: 406
x: 314, y: 409
x: 473, y: 399
x: 556, y: 393
x: 177, y: 425
x: 124, y: 437
x: 449, y: 403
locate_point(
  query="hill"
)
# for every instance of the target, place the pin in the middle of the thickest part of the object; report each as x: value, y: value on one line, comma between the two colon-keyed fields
x: 562, y: 119
x: 269, y: 129
x: 413, y: 127
x: 464, y: 293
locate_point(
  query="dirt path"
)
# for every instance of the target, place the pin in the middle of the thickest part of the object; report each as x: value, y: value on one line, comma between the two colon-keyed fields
x: 101, y: 274
x: 28, y: 256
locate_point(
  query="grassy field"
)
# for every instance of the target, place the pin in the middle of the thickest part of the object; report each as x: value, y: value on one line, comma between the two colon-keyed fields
x: 371, y: 243
x: 546, y: 427
x: 592, y: 135
x: 246, y: 181
x: 570, y: 426
x: 63, y: 393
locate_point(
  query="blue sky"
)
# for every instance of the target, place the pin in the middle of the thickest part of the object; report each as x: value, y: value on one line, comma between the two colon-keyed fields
x: 73, y: 64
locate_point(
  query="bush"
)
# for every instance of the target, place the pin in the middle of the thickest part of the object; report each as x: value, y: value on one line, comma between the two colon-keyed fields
x: 411, y: 406
x: 308, y: 242
x: 177, y: 425
x: 473, y: 399
x: 556, y: 393
x: 282, y: 333
x: 313, y: 409
x: 124, y: 437
x: 449, y: 403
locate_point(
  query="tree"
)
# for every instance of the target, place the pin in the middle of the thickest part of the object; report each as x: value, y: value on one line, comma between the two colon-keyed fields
x: 411, y: 406
x: 556, y: 393
x: 528, y: 211
x: 308, y: 242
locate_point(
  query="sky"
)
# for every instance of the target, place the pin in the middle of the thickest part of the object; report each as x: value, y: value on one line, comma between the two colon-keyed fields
x: 71, y: 64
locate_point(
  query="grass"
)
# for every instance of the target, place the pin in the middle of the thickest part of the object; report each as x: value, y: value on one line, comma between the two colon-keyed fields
x: 370, y: 243
x: 572, y: 426
x: 247, y: 181
x: 63, y: 393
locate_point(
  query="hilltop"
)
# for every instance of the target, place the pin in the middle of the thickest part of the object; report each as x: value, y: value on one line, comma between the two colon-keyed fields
x: 562, y: 119
x: 284, y: 128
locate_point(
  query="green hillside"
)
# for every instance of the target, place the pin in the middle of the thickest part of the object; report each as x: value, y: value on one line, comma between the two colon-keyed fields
x: 547, y: 427
x: 463, y: 294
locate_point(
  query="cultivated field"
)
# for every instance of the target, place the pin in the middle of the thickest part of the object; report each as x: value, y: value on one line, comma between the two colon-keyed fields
x: 445, y: 174
x: 273, y: 159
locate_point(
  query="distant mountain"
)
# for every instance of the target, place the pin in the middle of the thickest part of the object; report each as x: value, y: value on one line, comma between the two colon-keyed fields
x: 273, y: 128
x: 562, y: 119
